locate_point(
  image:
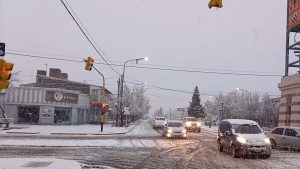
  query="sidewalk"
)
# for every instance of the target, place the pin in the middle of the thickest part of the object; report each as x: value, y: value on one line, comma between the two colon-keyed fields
x: 87, y: 130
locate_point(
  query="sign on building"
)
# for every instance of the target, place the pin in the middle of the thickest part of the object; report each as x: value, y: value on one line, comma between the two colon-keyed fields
x: 54, y: 96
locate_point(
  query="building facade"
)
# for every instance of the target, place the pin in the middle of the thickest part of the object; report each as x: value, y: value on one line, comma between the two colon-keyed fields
x: 53, y: 99
x: 46, y: 105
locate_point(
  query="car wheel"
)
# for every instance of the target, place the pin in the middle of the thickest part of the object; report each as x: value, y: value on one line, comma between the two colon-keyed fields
x: 220, y: 147
x: 273, y: 144
x: 267, y: 156
x: 233, y: 152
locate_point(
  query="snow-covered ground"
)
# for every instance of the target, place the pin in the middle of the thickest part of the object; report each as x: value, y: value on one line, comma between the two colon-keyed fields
x: 46, y: 163
x: 61, y: 129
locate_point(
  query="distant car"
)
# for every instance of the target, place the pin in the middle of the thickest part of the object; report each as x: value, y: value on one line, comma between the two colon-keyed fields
x: 159, y: 122
x: 192, y: 124
x: 285, y: 137
x: 243, y: 137
x: 174, y: 129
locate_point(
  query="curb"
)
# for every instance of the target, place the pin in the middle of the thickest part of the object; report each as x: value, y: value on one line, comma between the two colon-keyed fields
x: 20, y: 132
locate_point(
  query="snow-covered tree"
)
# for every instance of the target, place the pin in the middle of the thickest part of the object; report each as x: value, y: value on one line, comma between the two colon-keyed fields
x: 158, y: 112
x: 140, y: 105
x: 195, y: 108
x: 245, y: 105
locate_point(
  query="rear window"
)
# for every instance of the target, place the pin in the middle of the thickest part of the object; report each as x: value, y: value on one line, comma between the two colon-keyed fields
x: 278, y: 131
x: 174, y: 124
x: 247, y: 129
x: 160, y: 118
x: 191, y: 119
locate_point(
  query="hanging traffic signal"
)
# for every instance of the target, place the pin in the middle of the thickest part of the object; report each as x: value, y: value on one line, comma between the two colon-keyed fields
x: 5, y: 73
x: 2, y: 49
x: 105, y: 107
x: 89, y: 63
x: 215, y: 3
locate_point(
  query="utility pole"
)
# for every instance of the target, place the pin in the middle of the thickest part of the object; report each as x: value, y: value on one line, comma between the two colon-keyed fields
x: 222, y: 104
x: 118, y: 104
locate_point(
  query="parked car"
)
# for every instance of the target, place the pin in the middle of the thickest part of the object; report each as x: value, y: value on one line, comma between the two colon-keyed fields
x: 174, y: 129
x: 243, y: 137
x: 159, y: 122
x: 192, y: 124
x: 285, y: 137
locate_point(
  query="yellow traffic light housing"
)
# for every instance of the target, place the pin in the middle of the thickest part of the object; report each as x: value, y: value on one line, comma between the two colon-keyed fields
x: 215, y: 3
x: 89, y: 63
x: 5, y: 73
x: 105, y: 107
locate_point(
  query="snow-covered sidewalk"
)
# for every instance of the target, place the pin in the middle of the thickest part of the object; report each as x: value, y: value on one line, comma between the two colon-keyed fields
x: 48, y: 130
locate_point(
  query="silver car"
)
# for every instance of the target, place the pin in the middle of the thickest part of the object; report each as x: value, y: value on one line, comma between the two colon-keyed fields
x: 174, y: 129
x: 285, y: 137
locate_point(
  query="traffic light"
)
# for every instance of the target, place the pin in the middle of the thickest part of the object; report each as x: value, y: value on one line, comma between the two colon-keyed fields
x: 89, y: 63
x: 215, y: 3
x: 105, y: 107
x: 2, y: 49
x: 5, y: 73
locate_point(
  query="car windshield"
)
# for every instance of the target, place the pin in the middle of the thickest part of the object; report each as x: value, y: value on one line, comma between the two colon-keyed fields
x: 191, y: 119
x: 160, y: 118
x: 174, y: 124
x: 247, y: 129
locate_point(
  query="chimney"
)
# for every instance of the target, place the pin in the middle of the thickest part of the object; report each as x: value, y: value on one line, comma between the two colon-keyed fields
x: 64, y: 76
x: 55, y: 73
x: 41, y: 72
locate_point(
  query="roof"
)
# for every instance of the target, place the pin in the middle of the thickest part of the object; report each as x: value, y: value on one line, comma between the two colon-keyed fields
x: 174, y: 121
x: 291, y: 127
x: 240, y: 121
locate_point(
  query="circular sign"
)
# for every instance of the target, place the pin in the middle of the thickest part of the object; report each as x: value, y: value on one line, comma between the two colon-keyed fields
x: 58, y: 96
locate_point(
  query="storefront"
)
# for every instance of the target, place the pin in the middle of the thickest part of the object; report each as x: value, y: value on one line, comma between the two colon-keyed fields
x: 36, y: 105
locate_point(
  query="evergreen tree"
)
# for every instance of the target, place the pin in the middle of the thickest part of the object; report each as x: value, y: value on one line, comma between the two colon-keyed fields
x: 195, y: 108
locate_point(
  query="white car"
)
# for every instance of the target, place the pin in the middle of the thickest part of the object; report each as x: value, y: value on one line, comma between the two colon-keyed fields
x: 192, y: 124
x: 174, y: 129
x: 159, y: 122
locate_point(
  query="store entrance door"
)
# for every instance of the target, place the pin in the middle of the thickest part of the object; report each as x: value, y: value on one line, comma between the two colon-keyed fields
x: 62, y: 115
x: 28, y: 114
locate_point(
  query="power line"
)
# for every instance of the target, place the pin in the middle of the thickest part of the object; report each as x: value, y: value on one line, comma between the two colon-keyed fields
x: 88, y: 33
x: 86, y: 36
x: 154, y: 68
x: 149, y: 85
x: 156, y: 65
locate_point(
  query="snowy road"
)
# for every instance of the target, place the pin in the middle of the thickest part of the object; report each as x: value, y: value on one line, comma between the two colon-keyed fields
x: 146, y: 149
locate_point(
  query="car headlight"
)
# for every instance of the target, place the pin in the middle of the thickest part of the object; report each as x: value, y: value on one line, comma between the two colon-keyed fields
x: 184, y: 131
x: 188, y: 124
x: 198, y: 124
x: 267, y: 140
x: 241, y: 140
x: 170, y: 131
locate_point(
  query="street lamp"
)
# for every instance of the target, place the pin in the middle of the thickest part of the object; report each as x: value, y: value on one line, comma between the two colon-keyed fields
x: 241, y: 89
x: 122, y: 84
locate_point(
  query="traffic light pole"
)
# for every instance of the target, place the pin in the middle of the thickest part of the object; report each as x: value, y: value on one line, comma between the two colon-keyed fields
x: 102, y: 98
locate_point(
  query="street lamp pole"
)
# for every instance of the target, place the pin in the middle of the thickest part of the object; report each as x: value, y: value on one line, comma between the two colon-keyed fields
x: 122, y: 86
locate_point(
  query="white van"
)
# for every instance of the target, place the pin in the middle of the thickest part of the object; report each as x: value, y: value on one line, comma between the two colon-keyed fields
x: 159, y: 122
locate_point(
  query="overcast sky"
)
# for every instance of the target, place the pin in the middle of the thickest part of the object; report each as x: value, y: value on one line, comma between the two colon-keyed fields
x: 245, y: 36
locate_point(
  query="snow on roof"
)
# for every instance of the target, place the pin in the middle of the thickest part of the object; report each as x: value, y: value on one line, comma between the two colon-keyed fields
x: 174, y: 121
x: 240, y: 121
